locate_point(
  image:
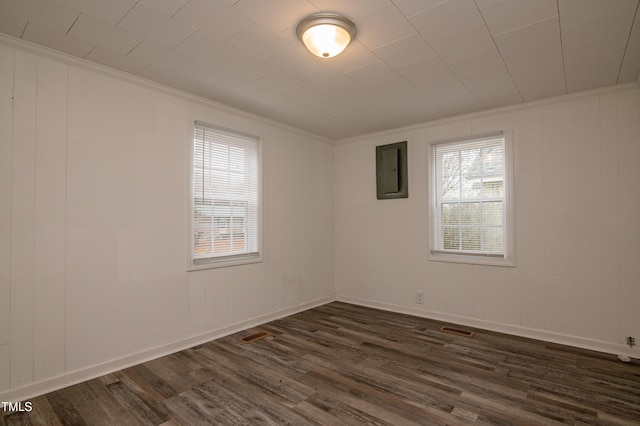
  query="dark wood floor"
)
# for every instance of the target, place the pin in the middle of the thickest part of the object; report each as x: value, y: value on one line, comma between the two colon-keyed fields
x: 343, y: 364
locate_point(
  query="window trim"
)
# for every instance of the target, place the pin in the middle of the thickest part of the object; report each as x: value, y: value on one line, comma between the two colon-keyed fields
x: 194, y: 264
x: 508, y: 259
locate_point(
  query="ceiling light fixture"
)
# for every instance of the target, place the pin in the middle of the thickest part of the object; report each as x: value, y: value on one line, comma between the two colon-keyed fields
x: 326, y: 34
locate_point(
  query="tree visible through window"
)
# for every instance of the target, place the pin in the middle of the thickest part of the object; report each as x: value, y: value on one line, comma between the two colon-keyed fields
x: 469, y: 201
x: 225, y: 197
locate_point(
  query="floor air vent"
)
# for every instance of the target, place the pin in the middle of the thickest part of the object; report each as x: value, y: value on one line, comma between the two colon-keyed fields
x: 255, y: 337
x: 458, y: 331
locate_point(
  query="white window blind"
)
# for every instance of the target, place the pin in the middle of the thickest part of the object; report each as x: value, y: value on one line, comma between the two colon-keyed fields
x: 225, y: 197
x: 470, y: 210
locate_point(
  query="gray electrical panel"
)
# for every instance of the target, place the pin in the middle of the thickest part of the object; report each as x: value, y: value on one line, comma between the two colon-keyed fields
x: 391, y: 171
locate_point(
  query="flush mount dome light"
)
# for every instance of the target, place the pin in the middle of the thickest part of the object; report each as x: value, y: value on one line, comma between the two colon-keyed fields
x: 326, y: 34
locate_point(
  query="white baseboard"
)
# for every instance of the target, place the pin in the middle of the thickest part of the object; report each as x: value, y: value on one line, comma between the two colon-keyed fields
x: 73, y: 377
x: 70, y: 378
x: 531, y: 333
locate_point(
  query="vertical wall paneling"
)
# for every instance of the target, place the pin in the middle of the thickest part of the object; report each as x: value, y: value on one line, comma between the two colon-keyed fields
x: 152, y: 164
x: 610, y: 193
x: 5, y: 367
x: 99, y: 109
x: 6, y: 130
x: 112, y: 108
x: 530, y: 195
x: 588, y: 220
x: 22, y: 218
x: 78, y: 276
x: 50, y: 218
x: 629, y: 176
x: 559, y: 210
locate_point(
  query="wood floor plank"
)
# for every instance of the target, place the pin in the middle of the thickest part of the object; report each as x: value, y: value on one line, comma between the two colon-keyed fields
x: 113, y: 409
x: 343, y: 364
x: 142, y: 412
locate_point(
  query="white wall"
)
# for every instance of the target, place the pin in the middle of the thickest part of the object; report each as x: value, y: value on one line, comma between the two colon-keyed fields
x: 93, y: 219
x: 93, y: 225
x: 577, y: 279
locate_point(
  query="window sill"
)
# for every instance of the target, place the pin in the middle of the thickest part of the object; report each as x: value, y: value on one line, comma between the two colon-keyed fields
x: 471, y: 259
x: 224, y: 262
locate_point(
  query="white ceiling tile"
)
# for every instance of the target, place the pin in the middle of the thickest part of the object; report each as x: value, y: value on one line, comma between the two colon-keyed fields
x: 265, y: 103
x: 203, y: 72
x: 468, y: 50
x: 294, y: 113
x: 116, y: 60
x: 12, y: 26
x: 155, y: 25
x: 240, y: 86
x: 343, y: 88
x: 216, y: 19
x: 327, y: 79
x: 455, y: 30
x: 313, y: 96
x: 507, y: 15
x: 268, y: 98
x: 413, y: 7
x: 259, y: 109
x: 210, y: 92
x: 416, y: 105
x: 56, y: 40
x: 276, y: 15
x: 594, y: 38
x: 576, y: 13
x: 160, y: 56
x: 336, y: 108
x: 260, y: 41
x: 382, y: 27
x: 533, y: 55
x: 168, y: 7
x: 103, y: 34
x: 407, y: 51
x: 353, y: 93
x: 352, y: 9
x: 178, y: 81
x: 43, y: 13
x: 439, y: 83
x: 281, y: 82
x: 487, y: 77
x: 248, y: 67
x: 355, y: 56
x: 631, y: 60
x: 378, y: 115
x: 398, y: 87
x: 298, y: 62
x: 373, y: 75
x: 209, y: 50
x: 110, y: 11
x: 233, y: 99
x: 486, y: 3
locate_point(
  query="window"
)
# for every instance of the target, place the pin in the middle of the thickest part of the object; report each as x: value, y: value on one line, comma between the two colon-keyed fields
x: 225, y: 198
x: 471, y: 211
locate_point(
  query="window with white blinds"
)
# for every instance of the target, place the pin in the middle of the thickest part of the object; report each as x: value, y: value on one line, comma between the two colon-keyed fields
x: 225, y: 198
x: 471, y: 213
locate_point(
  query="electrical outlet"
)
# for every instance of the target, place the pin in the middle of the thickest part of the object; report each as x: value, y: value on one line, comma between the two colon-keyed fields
x: 631, y: 341
x: 420, y: 297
